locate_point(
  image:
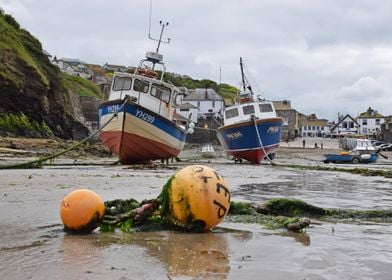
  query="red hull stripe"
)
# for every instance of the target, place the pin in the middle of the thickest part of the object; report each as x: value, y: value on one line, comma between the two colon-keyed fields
x: 133, y: 151
x: 254, y: 156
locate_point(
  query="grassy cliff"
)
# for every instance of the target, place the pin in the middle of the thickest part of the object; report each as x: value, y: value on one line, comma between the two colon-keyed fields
x: 32, y: 89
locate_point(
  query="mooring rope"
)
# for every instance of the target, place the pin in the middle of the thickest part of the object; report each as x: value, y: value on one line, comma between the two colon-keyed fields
x: 39, y: 162
x: 261, y: 143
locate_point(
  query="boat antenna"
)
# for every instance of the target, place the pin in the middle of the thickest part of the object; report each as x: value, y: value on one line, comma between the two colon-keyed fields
x: 163, y: 24
x: 245, y: 83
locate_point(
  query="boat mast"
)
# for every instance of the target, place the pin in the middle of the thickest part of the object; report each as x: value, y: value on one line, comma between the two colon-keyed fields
x: 245, y: 83
x: 163, y: 24
x: 242, y: 75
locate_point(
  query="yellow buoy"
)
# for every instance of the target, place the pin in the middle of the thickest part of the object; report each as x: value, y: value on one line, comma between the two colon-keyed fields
x: 198, y: 198
x: 81, y: 211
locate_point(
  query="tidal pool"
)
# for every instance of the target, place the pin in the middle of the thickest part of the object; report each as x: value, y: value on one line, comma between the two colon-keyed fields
x: 34, y: 246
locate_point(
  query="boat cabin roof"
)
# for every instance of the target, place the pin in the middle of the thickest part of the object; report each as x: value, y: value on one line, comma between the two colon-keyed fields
x: 130, y: 84
x: 244, y: 111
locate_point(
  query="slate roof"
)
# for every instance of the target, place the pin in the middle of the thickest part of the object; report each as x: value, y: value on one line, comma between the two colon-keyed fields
x: 343, y: 119
x: 370, y: 114
x: 202, y: 94
x: 187, y: 105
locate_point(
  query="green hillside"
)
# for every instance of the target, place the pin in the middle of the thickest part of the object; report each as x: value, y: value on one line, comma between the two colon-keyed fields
x: 81, y: 86
x: 33, y: 91
x: 225, y: 90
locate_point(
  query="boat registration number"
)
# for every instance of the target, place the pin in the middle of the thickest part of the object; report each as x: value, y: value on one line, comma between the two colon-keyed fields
x: 113, y: 108
x: 145, y: 116
x: 234, y: 135
x: 273, y: 129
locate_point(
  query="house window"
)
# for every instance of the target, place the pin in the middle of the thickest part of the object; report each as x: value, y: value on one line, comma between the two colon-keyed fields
x: 198, y: 104
x: 344, y: 125
x: 122, y: 83
x: 184, y: 110
x: 351, y: 125
x: 364, y: 122
x: 213, y: 103
x: 248, y: 109
x: 377, y: 121
x: 231, y: 113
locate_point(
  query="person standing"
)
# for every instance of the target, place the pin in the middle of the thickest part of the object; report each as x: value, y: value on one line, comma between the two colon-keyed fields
x: 303, y: 143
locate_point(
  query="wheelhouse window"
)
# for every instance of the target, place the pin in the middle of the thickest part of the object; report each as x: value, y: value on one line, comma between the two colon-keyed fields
x: 141, y: 86
x: 231, y: 113
x: 248, y: 109
x: 122, y: 83
x: 265, y: 108
x: 161, y: 92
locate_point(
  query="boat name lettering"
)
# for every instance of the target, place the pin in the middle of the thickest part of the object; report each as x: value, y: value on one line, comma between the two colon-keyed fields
x: 234, y: 135
x: 113, y: 108
x: 144, y: 116
x: 273, y: 129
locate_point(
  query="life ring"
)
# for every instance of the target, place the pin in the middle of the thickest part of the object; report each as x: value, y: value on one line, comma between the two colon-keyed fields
x: 245, y: 99
x: 141, y: 71
x: 151, y: 74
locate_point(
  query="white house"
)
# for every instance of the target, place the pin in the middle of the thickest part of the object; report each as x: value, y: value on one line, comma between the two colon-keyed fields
x: 114, y: 68
x: 73, y: 67
x: 370, y: 122
x: 188, y: 111
x: 345, y: 126
x: 312, y: 126
x: 209, y: 102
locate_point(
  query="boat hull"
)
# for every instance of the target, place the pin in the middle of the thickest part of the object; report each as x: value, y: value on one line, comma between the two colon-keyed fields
x: 243, y: 141
x: 138, y: 135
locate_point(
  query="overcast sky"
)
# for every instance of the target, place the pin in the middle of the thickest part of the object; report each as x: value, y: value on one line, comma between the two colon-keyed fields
x: 326, y: 57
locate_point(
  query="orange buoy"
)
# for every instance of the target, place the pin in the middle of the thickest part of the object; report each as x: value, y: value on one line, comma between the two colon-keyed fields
x: 81, y: 211
x: 198, y: 198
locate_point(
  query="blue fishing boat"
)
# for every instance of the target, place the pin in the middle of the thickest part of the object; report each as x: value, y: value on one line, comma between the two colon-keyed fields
x: 251, y: 129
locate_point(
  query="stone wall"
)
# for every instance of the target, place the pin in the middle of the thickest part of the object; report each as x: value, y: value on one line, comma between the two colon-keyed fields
x: 205, y: 132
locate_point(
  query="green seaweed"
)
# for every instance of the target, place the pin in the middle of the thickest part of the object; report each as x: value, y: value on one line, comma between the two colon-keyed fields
x: 293, y: 208
x: 357, y: 170
x: 241, y: 208
x: 163, y: 197
x: 276, y: 214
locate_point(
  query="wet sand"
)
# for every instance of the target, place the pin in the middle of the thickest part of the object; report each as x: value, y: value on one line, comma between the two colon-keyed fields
x: 34, y: 246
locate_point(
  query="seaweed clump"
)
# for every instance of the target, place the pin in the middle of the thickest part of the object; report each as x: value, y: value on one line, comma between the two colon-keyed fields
x: 290, y: 207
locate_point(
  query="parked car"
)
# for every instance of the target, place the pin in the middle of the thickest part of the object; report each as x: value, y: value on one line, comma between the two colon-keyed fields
x: 377, y: 142
x: 386, y: 147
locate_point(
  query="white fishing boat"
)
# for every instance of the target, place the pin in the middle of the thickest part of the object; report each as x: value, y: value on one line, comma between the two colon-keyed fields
x: 208, y: 151
x: 138, y: 121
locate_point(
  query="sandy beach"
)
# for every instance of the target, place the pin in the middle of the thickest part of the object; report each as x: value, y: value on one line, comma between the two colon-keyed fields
x: 33, y: 244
